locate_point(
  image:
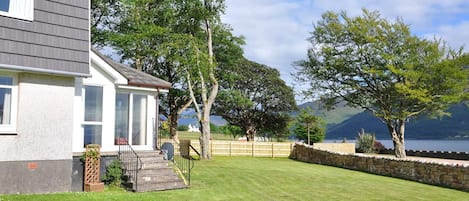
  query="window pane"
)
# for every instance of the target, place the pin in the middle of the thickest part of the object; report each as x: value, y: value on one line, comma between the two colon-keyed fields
x: 5, y: 106
x: 4, y: 5
x: 6, y: 80
x: 139, y: 120
x: 93, y: 103
x: 122, y: 119
x: 92, y: 134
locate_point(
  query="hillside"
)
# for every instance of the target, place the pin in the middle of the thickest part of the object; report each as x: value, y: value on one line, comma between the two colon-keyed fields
x: 454, y: 127
x: 339, y: 114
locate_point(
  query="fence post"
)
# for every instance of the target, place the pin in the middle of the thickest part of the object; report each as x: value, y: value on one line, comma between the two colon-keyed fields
x: 211, y: 147
x: 230, y: 148
x: 272, y: 150
x: 252, y: 151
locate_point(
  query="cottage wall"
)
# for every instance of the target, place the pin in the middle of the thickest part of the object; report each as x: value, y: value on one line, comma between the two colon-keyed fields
x: 44, y: 54
x: 37, y: 159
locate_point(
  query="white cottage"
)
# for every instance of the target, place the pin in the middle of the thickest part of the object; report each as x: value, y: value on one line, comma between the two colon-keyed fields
x: 116, y: 105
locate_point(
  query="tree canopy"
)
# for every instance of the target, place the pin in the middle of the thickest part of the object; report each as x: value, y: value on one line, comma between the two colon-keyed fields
x: 254, y: 98
x: 309, y: 127
x: 380, y: 66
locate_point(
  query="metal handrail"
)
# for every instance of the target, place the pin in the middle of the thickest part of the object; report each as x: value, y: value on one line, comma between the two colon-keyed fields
x: 184, y: 165
x: 194, y: 150
x: 132, y: 163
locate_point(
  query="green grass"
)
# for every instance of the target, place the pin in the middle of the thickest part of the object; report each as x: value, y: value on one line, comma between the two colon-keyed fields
x: 244, y: 178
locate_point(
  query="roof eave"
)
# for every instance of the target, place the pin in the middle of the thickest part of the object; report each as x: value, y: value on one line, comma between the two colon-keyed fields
x: 157, y: 86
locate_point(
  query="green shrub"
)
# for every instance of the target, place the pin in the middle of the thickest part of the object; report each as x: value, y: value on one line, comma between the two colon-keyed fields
x: 113, y: 176
x: 365, y: 142
x: 183, y: 128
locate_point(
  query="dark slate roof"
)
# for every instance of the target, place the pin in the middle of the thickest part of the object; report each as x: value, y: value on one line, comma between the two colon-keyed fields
x: 135, y: 77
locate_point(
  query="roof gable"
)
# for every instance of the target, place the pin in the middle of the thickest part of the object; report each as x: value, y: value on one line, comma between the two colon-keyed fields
x: 133, y: 76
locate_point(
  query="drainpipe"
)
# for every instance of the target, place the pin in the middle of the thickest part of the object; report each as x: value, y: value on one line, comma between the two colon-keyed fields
x: 157, y: 119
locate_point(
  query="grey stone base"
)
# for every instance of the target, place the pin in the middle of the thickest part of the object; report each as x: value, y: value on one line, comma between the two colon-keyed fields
x: 30, y: 177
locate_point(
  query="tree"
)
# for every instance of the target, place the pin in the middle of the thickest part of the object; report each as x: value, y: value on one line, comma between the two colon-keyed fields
x: 231, y: 130
x: 276, y: 126
x: 201, y: 78
x: 379, y: 66
x: 254, y: 98
x: 102, y: 13
x: 309, y: 127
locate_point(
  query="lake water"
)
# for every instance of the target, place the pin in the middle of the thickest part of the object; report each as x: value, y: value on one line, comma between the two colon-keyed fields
x: 428, y: 145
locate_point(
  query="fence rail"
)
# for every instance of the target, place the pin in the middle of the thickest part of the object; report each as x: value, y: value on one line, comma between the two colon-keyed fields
x: 235, y: 148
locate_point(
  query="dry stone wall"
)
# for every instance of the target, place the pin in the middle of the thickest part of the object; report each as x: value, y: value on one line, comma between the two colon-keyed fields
x: 447, y: 175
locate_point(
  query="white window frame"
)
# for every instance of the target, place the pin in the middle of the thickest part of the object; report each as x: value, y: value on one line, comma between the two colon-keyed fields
x: 21, y: 9
x: 11, y: 128
x: 92, y: 123
x: 130, y: 117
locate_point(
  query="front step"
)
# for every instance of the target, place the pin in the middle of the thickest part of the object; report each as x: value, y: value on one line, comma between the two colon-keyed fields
x: 156, y: 174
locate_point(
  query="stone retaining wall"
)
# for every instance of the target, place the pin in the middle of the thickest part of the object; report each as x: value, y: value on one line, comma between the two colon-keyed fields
x: 447, y: 175
x: 432, y: 154
x: 336, y: 147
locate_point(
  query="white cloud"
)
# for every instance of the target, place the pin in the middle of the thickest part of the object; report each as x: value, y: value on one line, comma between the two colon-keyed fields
x: 455, y: 35
x: 276, y: 30
x: 275, y: 34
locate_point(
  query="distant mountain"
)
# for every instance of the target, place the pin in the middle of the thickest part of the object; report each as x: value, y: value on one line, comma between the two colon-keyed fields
x: 454, y: 127
x: 331, y: 117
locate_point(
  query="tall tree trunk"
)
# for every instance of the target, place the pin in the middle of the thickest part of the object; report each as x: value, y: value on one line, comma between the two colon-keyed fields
x: 207, y: 98
x: 396, y: 129
x: 173, y: 124
x: 204, y: 138
x: 250, y: 133
x: 174, y: 114
x: 208, y: 101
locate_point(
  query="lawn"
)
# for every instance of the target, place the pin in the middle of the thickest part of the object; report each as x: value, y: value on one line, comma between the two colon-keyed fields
x: 245, y: 178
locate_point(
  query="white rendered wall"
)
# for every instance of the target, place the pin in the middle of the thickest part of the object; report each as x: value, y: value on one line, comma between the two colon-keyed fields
x: 44, y: 121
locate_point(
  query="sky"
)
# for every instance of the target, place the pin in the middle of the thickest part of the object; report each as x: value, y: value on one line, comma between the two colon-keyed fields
x: 275, y: 31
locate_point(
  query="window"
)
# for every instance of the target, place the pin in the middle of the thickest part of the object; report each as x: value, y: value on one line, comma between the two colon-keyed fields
x: 122, y: 119
x: 93, y: 115
x: 8, y: 99
x: 139, y: 120
x: 22, y: 9
x: 131, y: 119
x: 4, y: 5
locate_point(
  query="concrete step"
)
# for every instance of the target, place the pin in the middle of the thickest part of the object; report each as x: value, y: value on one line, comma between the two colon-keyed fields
x: 156, y: 173
x: 149, y: 154
x: 157, y: 179
x: 154, y: 165
x: 161, y: 186
x: 159, y: 171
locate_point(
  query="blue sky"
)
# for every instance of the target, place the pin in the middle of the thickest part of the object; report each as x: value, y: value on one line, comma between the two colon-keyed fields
x: 276, y: 30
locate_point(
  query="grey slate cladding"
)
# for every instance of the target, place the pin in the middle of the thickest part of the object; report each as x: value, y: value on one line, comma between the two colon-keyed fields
x: 57, y: 39
x: 135, y: 77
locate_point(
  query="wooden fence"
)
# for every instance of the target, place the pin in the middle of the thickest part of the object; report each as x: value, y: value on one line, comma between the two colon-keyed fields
x: 235, y: 148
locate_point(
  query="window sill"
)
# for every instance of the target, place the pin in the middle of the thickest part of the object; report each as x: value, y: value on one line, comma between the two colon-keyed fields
x: 8, y: 133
